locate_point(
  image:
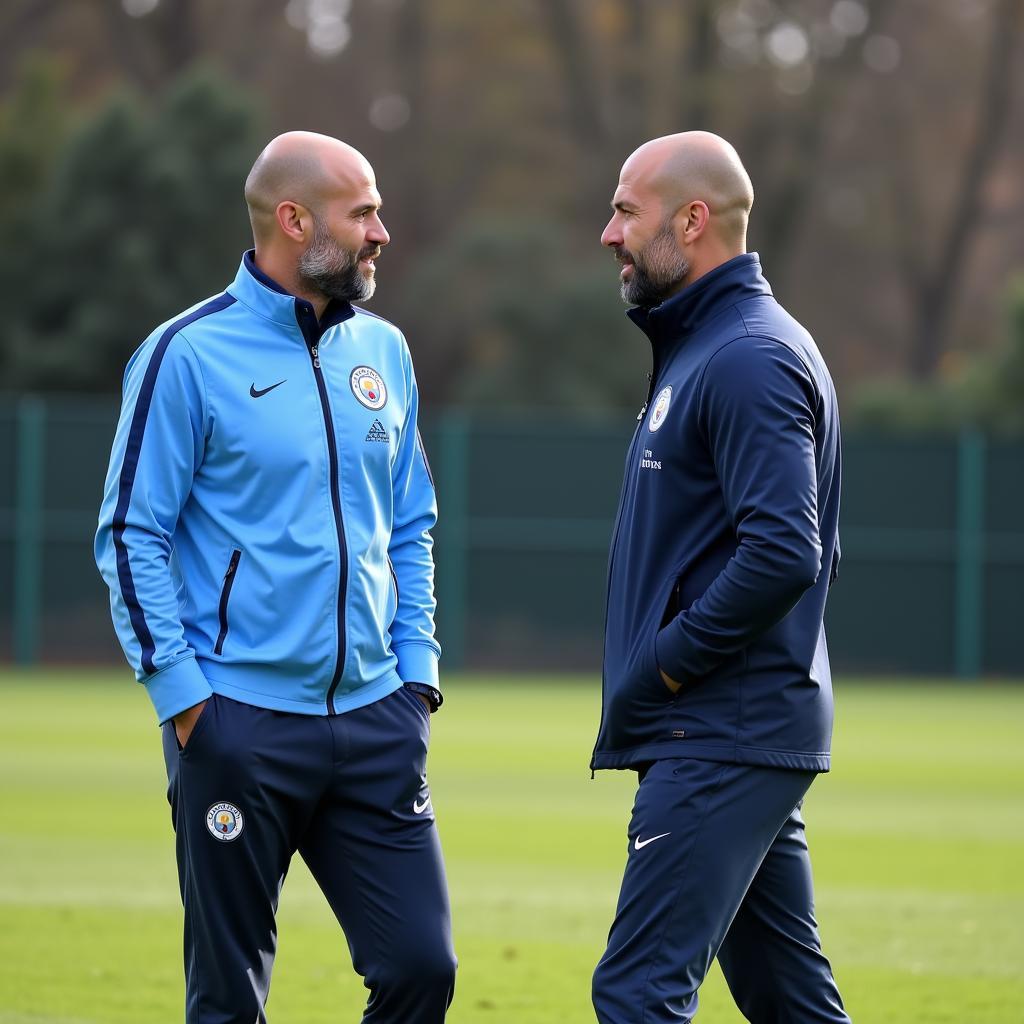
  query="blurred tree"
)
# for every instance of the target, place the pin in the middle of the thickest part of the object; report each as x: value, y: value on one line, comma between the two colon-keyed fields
x: 136, y: 215
x: 20, y: 22
x: 154, y: 41
x: 984, y: 391
x: 33, y: 127
x: 889, y: 200
x: 510, y: 318
x: 935, y: 284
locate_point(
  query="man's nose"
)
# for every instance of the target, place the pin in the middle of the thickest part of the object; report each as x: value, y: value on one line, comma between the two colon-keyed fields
x: 378, y: 233
x: 611, y: 236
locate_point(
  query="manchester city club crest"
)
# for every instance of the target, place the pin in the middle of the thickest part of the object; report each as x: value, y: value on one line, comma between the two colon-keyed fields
x: 224, y: 821
x: 660, y: 408
x: 368, y: 387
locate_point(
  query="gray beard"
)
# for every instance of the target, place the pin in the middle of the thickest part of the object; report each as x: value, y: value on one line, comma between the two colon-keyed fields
x: 657, y: 271
x: 327, y: 268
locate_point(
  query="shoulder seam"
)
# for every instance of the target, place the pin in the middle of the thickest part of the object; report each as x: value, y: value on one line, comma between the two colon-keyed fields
x: 202, y: 373
x: 377, y: 316
x: 186, y: 322
x: 208, y: 308
x: 760, y: 337
x: 129, y: 465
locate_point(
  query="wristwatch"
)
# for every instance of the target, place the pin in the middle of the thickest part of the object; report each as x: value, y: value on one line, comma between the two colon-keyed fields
x: 432, y: 693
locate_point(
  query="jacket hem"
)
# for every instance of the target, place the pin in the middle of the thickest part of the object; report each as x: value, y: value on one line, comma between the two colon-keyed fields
x: 762, y: 756
x: 342, y: 702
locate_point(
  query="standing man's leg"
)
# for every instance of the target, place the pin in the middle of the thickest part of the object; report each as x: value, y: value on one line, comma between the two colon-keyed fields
x: 772, y: 955
x: 241, y: 792
x: 698, y: 834
x: 373, y: 848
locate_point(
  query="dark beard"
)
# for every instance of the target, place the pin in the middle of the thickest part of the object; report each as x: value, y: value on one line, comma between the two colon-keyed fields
x: 327, y: 268
x: 657, y: 271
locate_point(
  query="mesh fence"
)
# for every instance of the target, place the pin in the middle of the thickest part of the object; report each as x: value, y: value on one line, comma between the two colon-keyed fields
x: 932, y: 579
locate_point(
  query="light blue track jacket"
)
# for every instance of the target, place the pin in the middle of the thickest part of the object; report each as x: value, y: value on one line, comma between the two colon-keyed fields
x: 265, y: 522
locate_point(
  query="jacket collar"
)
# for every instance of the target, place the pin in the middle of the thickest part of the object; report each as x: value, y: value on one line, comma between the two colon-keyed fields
x: 735, y: 280
x: 266, y: 297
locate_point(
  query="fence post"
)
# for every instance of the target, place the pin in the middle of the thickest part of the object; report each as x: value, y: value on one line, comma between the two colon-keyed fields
x: 453, y: 529
x: 970, y: 553
x: 30, y: 440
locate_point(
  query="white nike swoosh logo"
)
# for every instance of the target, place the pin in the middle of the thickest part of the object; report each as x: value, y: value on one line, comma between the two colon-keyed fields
x: 639, y: 844
x: 419, y: 808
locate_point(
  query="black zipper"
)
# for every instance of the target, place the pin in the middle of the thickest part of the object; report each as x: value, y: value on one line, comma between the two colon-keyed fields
x: 615, y: 530
x: 332, y: 450
x: 647, y: 400
x: 225, y: 593
x: 394, y: 581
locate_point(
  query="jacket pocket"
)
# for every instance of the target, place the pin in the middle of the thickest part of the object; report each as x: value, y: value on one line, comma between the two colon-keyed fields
x: 197, y: 729
x: 225, y: 595
x: 670, y: 609
x: 416, y: 703
x: 664, y: 608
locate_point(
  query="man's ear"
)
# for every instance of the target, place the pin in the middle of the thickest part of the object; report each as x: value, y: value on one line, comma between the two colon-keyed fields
x: 295, y: 221
x: 693, y: 219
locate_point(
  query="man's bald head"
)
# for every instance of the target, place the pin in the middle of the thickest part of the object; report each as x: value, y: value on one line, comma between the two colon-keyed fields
x: 696, y: 166
x: 303, y: 168
x: 315, y: 213
x: 680, y: 210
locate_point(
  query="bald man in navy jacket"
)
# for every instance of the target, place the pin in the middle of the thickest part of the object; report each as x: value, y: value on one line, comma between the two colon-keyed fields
x: 716, y: 685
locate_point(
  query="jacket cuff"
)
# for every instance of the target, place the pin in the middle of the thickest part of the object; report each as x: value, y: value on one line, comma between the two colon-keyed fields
x: 417, y: 663
x: 177, y: 687
x: 670, y: 651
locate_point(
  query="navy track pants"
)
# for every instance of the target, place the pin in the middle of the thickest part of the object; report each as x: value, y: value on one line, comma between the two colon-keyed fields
x: 717, y: 866
x: 349, y: 794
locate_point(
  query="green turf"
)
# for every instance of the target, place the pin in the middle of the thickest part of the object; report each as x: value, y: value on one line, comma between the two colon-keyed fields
x: 917, y: 836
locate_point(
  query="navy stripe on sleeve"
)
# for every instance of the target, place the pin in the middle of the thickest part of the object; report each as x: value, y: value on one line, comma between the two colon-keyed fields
x: 423, y: 454
x: 131, y: 464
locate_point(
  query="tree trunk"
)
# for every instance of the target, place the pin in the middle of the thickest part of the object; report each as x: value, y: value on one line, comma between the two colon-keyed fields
x: 808, y: 141
x: 632, y: 118
x: 570, y: 44
x: 936, y: 293
x: 695, y: 96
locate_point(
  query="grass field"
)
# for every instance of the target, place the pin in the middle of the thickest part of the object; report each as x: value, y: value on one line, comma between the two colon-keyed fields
x: 917, y: 836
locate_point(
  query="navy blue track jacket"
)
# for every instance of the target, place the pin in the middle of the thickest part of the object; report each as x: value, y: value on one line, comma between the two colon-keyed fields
x: 726, y: 538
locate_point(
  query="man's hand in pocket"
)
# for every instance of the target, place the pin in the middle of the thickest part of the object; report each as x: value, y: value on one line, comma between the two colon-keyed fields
x: 185, y: 722
x: 670, y: 682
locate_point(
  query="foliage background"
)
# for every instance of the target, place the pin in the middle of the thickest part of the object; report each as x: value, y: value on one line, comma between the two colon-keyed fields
x: 883, y: 140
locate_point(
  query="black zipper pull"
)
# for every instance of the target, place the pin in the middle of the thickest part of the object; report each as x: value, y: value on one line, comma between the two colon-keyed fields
x: 315, y: 352
x: 650, y: 386
x: 232, y: 564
